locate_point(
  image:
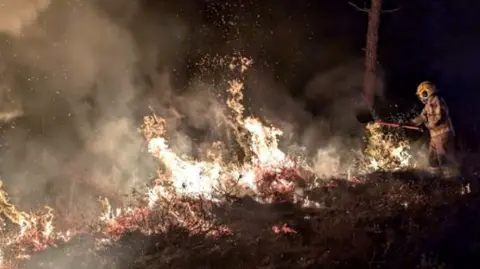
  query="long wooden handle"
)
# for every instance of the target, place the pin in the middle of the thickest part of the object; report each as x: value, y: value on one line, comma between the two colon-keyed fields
x: 397, y: 125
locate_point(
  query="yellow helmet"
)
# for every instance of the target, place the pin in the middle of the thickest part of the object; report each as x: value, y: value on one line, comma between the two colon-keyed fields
x: 425, y: 89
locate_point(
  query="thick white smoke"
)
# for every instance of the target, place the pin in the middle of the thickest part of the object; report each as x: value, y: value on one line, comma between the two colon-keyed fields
x: 73, y: 73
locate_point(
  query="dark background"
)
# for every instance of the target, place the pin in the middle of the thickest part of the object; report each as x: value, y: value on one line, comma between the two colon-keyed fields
x: 424, y: 40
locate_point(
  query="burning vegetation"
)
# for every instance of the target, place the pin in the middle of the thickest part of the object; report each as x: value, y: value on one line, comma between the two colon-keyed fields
x: 267, y: 209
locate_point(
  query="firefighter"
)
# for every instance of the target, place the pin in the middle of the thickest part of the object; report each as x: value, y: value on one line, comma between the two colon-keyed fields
x: 436, y: 118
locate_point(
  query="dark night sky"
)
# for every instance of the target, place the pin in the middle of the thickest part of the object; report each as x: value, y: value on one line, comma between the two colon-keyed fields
x: 428, y: 39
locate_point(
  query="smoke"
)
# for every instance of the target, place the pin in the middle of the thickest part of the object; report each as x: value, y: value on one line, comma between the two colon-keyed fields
x: 73, y: 75
x: 16, y: 15
x: 77, y: 77
x: 331, y: 137
x: 327, y: 162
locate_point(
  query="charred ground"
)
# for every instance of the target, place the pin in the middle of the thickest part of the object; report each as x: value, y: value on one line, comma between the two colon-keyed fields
x: 392, y: 220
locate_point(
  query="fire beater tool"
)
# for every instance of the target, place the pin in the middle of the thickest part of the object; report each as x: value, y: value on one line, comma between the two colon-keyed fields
x: 398, y: 125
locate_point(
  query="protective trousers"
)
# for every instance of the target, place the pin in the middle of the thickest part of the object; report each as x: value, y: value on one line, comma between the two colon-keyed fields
x: 442, y: 154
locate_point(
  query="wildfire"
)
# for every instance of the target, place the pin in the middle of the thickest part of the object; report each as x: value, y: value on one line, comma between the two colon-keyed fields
x: 187, y: 187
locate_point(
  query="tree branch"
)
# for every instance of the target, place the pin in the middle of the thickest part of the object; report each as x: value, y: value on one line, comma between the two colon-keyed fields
x: 368, y: 10
x: 390, y: 10
x: 359, y: 8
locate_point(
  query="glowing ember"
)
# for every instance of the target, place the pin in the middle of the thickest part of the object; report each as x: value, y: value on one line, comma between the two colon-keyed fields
x: 282, y: 229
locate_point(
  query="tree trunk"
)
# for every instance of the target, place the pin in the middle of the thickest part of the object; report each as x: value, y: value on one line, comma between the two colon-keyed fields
x: 370, y: 81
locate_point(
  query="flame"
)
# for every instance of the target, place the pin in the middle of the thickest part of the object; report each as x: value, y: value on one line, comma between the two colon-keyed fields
x: 35, y: 231
x: 283, y: 229
x: 386, y: 151
x: 187, y: 187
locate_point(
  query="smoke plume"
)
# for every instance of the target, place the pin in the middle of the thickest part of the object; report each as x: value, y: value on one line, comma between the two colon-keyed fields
x: 77, y: 77
x: 73, y: 74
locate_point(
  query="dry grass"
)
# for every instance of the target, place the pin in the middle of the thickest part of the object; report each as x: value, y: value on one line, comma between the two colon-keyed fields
x: 390, y: 221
